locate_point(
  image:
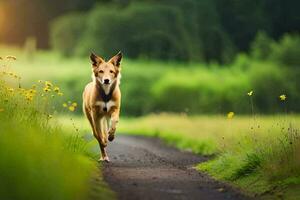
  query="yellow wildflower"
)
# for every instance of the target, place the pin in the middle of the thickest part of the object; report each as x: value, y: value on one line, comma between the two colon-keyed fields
x: 47, y: 89
x: 71, y: 108
x: 282, y: 97
x: 11, y: 58
x: 50, y: 116
x: 60, y: 94
x: 56, y: 89
x: 65, y: 105
x: 40, y: 81
x: 230, y: 115
x: 74, y: 104
x: 10, y: 89
x: 48, y: 84
x: 250, y: 93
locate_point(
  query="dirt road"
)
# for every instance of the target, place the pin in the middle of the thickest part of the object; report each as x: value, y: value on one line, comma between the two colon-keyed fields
x: 144, y: 168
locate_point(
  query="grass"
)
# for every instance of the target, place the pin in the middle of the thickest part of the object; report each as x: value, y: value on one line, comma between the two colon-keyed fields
x: 259, y: 155
x: 40, y: 159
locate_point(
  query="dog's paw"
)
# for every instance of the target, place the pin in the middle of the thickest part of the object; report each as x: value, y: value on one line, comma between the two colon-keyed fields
x: 111, y: 137
x: 104, y: 159
x: 111, y: 134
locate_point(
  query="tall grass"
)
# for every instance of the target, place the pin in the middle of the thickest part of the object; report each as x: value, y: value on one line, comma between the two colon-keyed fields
x: 38, y: 159
x: 257, y: 154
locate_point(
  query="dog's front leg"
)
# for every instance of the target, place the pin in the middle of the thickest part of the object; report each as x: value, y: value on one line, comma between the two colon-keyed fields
x: 114, y: 121
x: 102, y: 142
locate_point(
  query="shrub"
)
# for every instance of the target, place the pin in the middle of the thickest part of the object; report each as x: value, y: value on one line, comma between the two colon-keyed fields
x: 261, y: 47
x: 287, y: 52
x: 66, y: 31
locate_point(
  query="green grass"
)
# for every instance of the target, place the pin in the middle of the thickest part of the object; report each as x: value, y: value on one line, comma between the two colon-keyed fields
x: 38, y: 158
x: 259, y: 155
x: 253, y: 153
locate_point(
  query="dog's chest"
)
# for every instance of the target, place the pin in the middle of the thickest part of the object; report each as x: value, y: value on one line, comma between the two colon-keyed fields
x: 105, y: 106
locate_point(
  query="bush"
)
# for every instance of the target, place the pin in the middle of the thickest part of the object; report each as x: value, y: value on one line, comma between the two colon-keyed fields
x: 66, y: 31
x: 269, y: 81
x: 287, y: 52
x: 261, y: 47
x: 132, y: 30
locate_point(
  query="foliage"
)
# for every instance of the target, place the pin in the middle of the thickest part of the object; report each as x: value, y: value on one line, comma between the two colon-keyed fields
x: 38, y: 158
x: 155, y: 86
x: 69, y: 29
x: 200, y: 31
x: 238, y: 143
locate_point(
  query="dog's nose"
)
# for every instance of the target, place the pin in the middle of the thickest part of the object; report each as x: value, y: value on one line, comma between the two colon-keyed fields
x: 106, y: 81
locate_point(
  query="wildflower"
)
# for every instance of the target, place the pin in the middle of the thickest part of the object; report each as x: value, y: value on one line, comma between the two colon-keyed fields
x: 33, y: 86
x: 71, y: 108
x: 29, y: 98
x: 50, y: 116
x: 60, y: 94
x: 15, y: 76
x: 47, y: 89
x: 11, y: 89
x: 32, y: 91
x: 40, y: 81
x: 282, y: 97
x: 230, y: 115
x: 56, y: 89
x: 65, y: 105
x: 250, y: 93
x: 48, y: 84
x: 74, y: 104
x: 11, y: 58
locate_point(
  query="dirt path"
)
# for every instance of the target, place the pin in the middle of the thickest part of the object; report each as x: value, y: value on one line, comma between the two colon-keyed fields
x: 144, y: 168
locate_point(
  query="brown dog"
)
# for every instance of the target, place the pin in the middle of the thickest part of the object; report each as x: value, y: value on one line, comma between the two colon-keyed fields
x: 102, y: 98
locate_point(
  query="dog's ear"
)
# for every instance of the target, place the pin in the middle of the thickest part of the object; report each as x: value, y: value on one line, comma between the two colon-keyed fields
x: 96, y: 60
x: 116, y: 60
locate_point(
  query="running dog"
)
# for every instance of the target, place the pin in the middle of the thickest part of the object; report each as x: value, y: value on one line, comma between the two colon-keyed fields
x: 102, y: 100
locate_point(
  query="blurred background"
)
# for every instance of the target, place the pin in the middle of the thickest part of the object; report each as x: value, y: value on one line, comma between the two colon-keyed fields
x: 181, y: 56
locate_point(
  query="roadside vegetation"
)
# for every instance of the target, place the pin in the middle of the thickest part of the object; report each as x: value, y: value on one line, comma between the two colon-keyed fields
x: 189, y: 91
x: 39, y: 159
x: 259, y: 155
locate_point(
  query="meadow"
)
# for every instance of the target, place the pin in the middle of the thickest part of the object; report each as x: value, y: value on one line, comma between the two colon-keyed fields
x: 258, y: 153
x: 37, y: 154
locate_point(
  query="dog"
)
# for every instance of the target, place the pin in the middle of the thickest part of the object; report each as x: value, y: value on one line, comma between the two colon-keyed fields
x: 102, y: 100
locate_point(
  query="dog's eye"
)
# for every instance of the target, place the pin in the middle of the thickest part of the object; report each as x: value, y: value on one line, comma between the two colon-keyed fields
x: 111, y: 71
x: 101, y: 71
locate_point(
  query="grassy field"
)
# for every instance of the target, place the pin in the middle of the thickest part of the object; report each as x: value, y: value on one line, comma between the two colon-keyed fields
x: 39, y: 158
x: 257, y: 153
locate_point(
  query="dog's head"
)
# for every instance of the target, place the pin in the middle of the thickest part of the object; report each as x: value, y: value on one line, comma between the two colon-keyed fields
x: 106, y: 72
